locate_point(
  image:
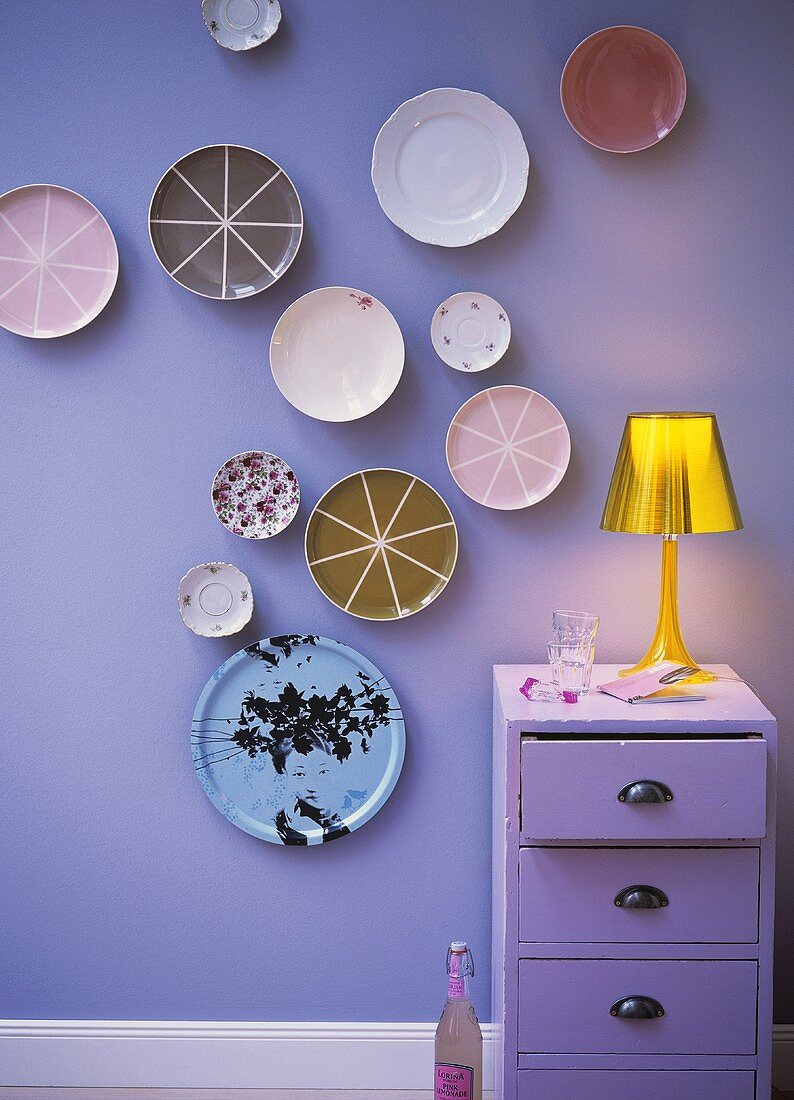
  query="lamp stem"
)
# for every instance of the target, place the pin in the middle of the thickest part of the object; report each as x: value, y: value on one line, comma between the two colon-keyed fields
x: 668, y: 643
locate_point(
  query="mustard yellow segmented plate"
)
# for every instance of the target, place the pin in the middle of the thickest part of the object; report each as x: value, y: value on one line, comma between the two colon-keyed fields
x: 381, y: 544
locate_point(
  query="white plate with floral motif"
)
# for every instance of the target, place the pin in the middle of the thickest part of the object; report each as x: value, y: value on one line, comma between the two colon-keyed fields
x: 255, y: 494
x: 215, y: 599
x: 470, y: 331
x: 450, y: 167
x: 337, y: 353
x: 241, y: 24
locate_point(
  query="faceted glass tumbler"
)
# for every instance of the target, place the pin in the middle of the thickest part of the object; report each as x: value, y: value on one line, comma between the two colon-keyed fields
x: 574, y: 626
x: 572, y: 665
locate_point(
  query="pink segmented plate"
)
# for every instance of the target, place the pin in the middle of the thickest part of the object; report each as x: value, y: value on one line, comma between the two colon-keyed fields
x: 508, y: 447
x: 58, y: 261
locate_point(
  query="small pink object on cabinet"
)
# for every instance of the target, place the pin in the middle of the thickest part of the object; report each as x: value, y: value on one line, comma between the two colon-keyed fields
x: 623, y: 89
x: 533, y: 689
x: 646, y: 682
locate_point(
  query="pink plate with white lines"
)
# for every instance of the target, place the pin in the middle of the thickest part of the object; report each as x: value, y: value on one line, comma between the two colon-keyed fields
x: 508, y: 447
x: 58, y: 261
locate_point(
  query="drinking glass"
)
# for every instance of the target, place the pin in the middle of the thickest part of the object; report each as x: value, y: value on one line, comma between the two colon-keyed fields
x: 574, y: 626
x: 572, y: 665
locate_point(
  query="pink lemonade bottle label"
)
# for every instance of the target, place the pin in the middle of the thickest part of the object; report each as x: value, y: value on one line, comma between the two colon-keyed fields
x: 454, y: 1082
x: 457, y: 987
x: 457, y: 982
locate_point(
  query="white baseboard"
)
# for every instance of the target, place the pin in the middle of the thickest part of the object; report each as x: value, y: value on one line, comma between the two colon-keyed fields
x: 783, y: 1057
x: 176, y: 1054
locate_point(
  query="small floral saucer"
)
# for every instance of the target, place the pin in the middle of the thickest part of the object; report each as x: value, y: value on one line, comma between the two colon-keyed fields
x: 255, y: 494
x: 215, y: 599
x: 241, y: 24
x: 470, y: 331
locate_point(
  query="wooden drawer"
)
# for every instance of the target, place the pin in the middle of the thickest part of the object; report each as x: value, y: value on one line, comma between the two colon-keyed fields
x: 570, y: 790
x: 589, y: 1084
x: 564, y: 1006
x: 705, y: 895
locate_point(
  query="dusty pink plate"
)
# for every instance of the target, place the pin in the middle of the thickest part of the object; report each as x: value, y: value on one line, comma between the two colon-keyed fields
x: 508, y: 447
x: 58, y: 261
x: 623, y: 89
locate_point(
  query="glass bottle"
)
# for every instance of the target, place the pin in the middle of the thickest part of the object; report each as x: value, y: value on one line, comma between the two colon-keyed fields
x: 458, y: 1069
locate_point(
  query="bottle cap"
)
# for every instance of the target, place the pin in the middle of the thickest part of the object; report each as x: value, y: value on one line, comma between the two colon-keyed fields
x: 458, y: 946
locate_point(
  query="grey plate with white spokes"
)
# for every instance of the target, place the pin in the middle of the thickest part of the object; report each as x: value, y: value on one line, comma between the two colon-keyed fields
x: 225, y: 221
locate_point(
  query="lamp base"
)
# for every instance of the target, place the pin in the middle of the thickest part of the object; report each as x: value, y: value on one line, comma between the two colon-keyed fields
x: 668, y: 644
x: 702, y: 676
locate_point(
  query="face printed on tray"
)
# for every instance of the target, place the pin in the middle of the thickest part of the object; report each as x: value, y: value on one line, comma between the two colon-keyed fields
x: 316, y: 779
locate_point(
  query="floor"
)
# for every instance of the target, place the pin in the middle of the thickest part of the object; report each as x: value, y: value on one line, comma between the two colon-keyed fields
x: 229, y: 1094
x: 212, y: 1094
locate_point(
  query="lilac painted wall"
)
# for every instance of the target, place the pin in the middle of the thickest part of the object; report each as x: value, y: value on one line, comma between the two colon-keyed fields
x: 657, y: 280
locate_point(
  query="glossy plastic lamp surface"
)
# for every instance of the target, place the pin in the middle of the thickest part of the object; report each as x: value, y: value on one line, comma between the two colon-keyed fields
x: 671, y: 478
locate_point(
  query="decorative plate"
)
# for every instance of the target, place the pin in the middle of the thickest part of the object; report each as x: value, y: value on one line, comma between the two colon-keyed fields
x: 255, y: 494
x: 225, y: 221
x: 298, y: 739
x: 470, y: 331
x: 215, y: 599
x: 381, y: 544
x: 508, y: 447
x: 623, y: 89
x: 58, y: 261
x: 450, y: 167
x: 337, y: 353
x: 241, y: 24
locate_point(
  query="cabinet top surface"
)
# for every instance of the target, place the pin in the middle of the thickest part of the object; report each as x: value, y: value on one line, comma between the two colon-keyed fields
x: 728, y: 707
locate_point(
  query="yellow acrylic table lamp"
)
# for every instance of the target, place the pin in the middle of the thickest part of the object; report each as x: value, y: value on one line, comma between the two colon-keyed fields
x: 671, y: 478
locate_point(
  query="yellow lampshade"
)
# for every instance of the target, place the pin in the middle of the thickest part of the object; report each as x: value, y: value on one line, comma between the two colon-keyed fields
x: 671, y: 477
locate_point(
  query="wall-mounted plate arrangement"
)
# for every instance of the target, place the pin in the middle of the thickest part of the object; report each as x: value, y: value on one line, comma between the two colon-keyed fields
x: 255, y: 494
x: 381, y: 544
x: 470, y: 331
x: 58, y: 261
x: 215, y: 599
x: 623, y: 89
x: 298, y: 739
x: 241, y: 24
x: 450, y: 167
x: 508, y: 447
x: 337, y: 353
x: 225, y: 221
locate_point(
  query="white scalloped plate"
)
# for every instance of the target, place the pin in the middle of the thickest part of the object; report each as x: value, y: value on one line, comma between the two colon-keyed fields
x: 215, y: 599
x: 241, y: 24
x: 450, y: 167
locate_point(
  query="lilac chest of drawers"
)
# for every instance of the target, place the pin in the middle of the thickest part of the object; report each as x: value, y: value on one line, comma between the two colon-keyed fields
x: 633, y: 890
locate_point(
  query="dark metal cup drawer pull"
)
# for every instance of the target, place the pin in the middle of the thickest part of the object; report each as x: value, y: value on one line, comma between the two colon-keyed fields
x: 637, y: 1008
x: 647, y: 791
x: 641, y: 897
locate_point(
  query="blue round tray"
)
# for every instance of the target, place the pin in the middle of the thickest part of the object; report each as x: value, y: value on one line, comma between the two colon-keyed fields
x: 298, y: 739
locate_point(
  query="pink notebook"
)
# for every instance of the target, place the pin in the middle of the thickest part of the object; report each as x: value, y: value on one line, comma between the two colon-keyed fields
x: 643, y: 686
